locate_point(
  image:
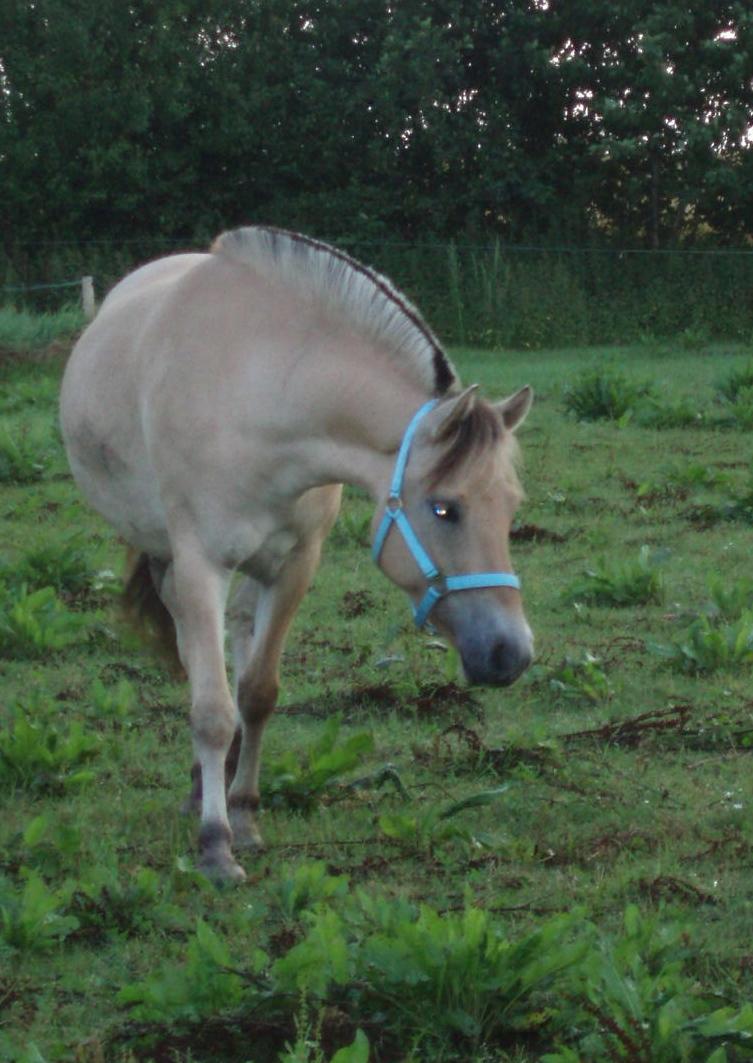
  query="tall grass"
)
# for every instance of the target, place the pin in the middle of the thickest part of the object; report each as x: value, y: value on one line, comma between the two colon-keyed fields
x: 28, y: 330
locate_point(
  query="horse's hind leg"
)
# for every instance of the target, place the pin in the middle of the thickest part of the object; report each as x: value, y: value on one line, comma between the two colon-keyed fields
x: 195, y: 591
x: 257, y: 666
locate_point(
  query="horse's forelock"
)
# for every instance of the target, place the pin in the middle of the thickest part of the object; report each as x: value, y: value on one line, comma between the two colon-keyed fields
x: 476, y: 434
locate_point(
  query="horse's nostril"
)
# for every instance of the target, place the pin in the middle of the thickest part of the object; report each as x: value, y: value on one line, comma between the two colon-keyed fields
x: 508, y: 660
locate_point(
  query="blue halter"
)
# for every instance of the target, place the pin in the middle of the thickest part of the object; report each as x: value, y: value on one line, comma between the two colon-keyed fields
x: 438, y: 585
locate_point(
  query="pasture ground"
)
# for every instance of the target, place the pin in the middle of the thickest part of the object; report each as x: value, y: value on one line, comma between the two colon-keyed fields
x: 622, y: 781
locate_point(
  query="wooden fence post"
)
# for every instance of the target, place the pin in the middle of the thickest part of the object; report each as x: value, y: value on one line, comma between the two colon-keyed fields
x: 87, y: 297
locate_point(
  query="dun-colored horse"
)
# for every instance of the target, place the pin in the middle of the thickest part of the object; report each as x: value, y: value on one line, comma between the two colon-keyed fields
x: 211, y: 412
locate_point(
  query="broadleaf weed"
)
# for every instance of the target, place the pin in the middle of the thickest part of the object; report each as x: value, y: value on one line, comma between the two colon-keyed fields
x: 604, y: 394
x: 581, y: 679
x: 621, y: 583
x: 302, y: 784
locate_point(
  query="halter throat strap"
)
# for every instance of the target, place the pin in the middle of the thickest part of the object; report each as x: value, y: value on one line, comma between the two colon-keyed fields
x: 394, y: 514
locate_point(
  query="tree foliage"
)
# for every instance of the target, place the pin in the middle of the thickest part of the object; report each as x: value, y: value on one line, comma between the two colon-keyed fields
x: 369, y: 119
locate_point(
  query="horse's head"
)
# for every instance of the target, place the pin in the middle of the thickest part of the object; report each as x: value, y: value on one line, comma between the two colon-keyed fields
x: 442, y: 534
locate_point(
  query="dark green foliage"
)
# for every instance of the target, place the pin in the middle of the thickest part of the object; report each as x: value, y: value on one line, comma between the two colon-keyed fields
x: 453, y: 122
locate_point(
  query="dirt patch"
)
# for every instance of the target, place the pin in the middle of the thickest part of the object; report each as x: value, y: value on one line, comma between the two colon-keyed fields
x: 533, y: 533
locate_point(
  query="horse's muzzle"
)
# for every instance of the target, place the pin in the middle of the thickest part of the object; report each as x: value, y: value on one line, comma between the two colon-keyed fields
x: 497, y: 664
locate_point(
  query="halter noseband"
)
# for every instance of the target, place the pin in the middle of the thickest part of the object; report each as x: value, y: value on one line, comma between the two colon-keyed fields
x: 438, y: 585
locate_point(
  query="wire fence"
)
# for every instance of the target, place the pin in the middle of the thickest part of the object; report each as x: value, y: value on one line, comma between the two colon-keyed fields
x: 85, y: 286
x: 480, y: 293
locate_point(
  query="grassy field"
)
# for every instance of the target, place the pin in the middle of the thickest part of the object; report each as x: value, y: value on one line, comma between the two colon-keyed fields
x: 559, y: 870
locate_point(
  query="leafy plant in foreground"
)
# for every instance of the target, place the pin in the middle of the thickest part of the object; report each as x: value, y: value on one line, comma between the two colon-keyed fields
x: 24, y: 456
x: 633, y: 1001
x: 438, y: 976
x: 707, y: 647
x: 581, y: 679
x: 52, y: 848
x: 729, y: 600
x: 33, y: 623
x: 302, y: 784
x: 40, y: 757
x: 104, y: 901
x: 452, y: 985
x: 738, y: 412
x: 60, y: 563
x: 425, y: 830
x: 113, y: 702
x: 306, y: 885
x: 31, y: 915
x: 621, y: 583
x: 203, y: 985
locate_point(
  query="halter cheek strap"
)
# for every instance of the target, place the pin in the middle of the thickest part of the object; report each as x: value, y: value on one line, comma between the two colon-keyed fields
x: 438, y: 585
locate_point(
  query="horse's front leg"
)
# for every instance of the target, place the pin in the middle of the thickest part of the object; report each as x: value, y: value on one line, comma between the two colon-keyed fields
x: 195, y: 591
x: 257, y: 668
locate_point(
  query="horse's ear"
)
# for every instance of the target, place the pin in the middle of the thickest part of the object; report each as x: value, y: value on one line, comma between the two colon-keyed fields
x: 453, y: 411
x: 514, y: 409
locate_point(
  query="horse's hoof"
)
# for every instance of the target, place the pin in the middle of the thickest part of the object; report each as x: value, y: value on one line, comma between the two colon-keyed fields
x: 222, y: 870
x: 216, y: 861
x: 246, y: 834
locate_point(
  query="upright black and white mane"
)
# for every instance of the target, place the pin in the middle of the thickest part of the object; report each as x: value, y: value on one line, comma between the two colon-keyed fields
x: 368, y: 300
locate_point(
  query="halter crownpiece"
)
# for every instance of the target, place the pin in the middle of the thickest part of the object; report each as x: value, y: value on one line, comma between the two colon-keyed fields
x: 438, y: 585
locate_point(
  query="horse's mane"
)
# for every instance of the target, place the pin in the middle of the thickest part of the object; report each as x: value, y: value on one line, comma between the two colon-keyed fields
x: 368, y: 300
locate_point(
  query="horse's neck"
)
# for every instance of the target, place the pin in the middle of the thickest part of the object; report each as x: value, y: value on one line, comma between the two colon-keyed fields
x: 364, y: 411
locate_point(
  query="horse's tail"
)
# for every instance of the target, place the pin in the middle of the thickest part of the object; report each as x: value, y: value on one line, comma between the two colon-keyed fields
x: 145, y: 611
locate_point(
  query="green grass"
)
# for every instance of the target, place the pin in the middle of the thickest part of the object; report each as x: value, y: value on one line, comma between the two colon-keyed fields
x: 561, y: 867
x: 26, y: 331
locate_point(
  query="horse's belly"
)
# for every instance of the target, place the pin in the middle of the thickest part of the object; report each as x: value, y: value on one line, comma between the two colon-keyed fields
x: 122, y: 490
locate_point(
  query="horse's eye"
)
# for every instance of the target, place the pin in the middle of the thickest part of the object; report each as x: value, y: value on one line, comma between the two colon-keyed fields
x: 449, y: 511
